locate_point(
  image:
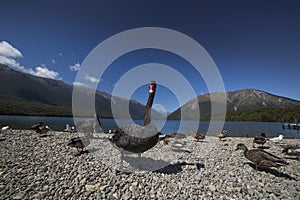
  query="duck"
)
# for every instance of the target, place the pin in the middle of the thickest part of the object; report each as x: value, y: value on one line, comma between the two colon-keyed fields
x: 79, y: 143
x: 88, y: 127
x: 277, y: 139
x: 134, y: 138
x: 292, y: 150
x: 223, y: 134
x: 261, y: 158
x: 41, y: 128
x: 199, y: 136
x: 70, y: 129
x: 260, y: 139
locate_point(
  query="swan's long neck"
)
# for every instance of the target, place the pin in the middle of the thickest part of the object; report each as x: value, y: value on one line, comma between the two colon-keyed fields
x: 147, y: 117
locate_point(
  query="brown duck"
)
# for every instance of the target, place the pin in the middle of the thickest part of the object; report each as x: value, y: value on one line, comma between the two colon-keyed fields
x: 260, y: 139
x: 292, y: 150
x: 261, y: 158
x: 223, y: 135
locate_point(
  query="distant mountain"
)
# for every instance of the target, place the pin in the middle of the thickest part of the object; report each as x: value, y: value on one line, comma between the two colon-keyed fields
x: 25, y: 94
x: 247, y: 99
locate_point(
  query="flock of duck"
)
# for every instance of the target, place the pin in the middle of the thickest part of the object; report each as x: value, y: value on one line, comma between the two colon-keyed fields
x: 138, y: 139
x: 264, y: 159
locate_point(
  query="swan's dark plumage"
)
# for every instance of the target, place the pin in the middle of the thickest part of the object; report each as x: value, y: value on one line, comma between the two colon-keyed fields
x: 135, y: 138
x: 142, y: 139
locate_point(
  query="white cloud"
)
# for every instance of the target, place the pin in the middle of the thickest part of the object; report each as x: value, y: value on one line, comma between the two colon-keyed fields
x: 75, y: 67
x: 44, y: 72
x: 79, y: 84
x: 7, y: 55
x: 7, y: 50
x: 11, y: 62
x: 92, y: 79
x: 60, y: 54
x: 53, y: 61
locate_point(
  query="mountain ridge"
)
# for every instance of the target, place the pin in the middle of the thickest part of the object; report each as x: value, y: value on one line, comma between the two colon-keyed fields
x: 25, y: 94
x: 238, y: 100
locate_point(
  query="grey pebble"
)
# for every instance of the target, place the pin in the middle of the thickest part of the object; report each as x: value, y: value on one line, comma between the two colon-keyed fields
x: 45, y: 168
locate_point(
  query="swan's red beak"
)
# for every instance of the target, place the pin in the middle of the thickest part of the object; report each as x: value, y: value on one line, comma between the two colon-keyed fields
x: 152, y: 87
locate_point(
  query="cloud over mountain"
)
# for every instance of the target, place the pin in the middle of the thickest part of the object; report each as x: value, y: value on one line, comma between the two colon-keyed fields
x: 8, y: 50
x: 92, y: 79
x: 8, y: 53
x: 44, y: 72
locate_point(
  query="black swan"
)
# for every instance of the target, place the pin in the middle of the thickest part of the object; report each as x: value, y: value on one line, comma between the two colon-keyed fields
x: 135, y: 138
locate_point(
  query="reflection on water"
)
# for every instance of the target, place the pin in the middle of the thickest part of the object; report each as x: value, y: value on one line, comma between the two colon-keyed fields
x: 243, y: 129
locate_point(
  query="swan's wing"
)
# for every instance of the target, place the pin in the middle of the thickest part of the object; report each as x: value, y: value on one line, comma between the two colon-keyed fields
x: 140, y: 131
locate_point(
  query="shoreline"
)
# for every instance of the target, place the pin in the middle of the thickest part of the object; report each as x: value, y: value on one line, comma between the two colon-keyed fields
x: 34, y: 167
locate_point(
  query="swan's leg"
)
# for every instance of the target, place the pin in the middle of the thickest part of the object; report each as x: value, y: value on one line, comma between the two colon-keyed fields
x: 122, y: 168
x: 139, y: 155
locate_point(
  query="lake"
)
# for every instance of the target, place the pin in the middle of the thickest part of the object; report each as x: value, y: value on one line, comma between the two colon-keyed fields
x: 241, y: 129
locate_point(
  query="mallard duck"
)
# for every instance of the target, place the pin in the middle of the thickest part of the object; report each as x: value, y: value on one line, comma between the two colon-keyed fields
x: 260, y: 139
x: 293, y: 150
x: 199, y: 136
x: 41, y: 128
x: 79, y: 143
x: 223, y: 134
x: 277, y: 139
x: 261, y: 158
x: 166, y: 140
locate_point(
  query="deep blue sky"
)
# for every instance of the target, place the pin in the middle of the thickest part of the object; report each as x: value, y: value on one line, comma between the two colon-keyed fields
x: 255, y: 44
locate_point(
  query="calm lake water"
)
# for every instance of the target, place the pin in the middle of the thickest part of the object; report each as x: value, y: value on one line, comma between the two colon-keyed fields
x: 242, y: 129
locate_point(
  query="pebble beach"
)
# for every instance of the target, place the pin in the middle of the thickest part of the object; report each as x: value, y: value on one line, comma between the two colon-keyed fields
x: 34, y: 167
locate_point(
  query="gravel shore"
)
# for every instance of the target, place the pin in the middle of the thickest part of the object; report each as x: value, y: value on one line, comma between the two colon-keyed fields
x: 33, y: 167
